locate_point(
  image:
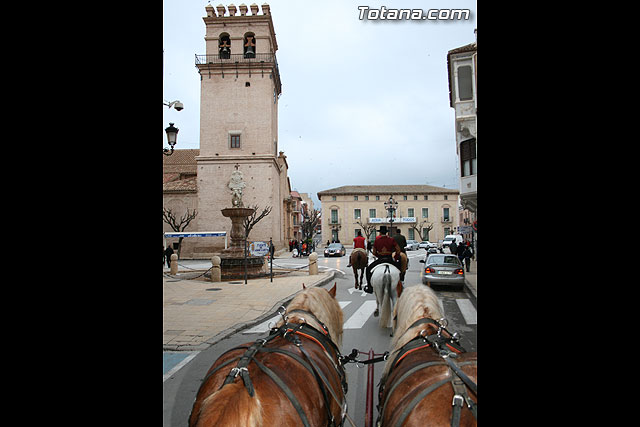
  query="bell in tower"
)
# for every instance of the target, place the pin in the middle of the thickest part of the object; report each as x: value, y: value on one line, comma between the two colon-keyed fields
x: 224, y: 47
x: 249, y: 46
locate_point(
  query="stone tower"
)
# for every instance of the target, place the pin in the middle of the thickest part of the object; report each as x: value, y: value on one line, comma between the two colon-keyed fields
x: 240, y: 86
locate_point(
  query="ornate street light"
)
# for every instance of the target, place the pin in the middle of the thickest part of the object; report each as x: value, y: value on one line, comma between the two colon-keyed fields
x: 391, y: 206
x: 172, y: 135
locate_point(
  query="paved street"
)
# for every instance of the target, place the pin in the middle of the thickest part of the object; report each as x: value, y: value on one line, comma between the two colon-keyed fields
x: 184, y: 370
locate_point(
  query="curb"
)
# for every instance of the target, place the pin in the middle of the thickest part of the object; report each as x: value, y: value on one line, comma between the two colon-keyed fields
x: 470, y: 288
x: 241, y: 326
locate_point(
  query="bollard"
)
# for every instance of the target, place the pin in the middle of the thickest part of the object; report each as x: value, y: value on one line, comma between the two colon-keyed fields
x: 216, y: 273
x: 174, y: 264
x: 313, y: 264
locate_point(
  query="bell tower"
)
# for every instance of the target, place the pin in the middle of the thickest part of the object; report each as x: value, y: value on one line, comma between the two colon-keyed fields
x: 239, y: 91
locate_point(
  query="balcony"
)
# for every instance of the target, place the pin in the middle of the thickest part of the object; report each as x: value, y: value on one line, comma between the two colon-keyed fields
x: 258, y: 61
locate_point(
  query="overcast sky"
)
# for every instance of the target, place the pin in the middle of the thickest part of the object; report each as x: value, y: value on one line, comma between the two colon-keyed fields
x: 363, y: 102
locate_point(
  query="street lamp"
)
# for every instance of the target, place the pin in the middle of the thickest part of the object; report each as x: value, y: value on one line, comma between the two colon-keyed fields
x: 172, y: 134
x: 391, y: 206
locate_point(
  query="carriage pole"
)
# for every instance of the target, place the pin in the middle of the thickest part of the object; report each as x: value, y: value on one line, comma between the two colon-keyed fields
x: 368, y: 420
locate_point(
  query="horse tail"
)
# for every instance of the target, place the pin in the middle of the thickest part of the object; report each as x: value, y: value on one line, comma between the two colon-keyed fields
x: 229, y: 406
x: 385, y: 312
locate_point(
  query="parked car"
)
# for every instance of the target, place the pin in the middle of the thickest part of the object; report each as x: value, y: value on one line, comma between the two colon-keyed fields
x: 412, y: 245
x: 425, y: 244
x: 443, y: 269
x: 335, y: 249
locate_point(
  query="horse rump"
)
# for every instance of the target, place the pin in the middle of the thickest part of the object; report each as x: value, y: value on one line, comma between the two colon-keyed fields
x: 229, y: 406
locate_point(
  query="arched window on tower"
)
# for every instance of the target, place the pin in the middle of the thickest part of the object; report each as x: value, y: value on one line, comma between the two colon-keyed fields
x: 224, y: 46
x: 249, y: 45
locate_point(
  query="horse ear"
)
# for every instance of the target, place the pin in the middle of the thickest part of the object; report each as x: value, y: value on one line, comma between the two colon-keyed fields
x: 303, y: 286
x: 399, y: 288
x: 332, y: 292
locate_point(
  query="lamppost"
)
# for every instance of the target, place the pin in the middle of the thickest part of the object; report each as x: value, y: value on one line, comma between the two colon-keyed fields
x: 391, y: 206
x: 172, y: 135
x: 172, y: 132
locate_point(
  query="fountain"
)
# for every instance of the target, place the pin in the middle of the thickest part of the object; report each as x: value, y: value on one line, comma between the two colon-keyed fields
x: 232, y: 258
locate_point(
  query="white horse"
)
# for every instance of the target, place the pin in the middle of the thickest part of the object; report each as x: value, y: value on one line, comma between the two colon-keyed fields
x: 384, y: 279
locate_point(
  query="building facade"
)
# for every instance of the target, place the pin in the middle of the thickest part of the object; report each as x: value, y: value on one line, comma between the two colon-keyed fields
x: 352, y: 208
x: 240, y: 87
x: 463, y: 98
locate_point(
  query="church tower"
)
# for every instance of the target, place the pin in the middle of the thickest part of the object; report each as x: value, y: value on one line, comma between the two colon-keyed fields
x: 240, y: 86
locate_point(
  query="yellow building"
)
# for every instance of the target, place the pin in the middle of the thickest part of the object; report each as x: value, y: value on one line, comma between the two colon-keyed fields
x: 350, y: 208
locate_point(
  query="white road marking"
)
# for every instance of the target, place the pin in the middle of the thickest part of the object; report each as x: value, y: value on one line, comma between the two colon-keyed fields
x: 468, y: 311
x: 267, y: 324
x: 179, y: 365
x: 358, y: 319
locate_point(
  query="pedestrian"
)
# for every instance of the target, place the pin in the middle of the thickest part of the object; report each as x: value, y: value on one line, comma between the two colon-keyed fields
x: 467, y: 254
x: 460, y: 252
x: 167, y: 255
x: 453, y: 248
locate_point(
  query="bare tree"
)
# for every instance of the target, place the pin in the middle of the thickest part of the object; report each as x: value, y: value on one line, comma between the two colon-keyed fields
x: 178, y: 226
x: 423, y: 227
x: 248, y: 224
x: 367, y: 229
x: 309, y: 223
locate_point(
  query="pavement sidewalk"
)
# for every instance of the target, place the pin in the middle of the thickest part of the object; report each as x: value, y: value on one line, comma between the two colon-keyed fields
x: 472, y: 277
x: 198, y: 313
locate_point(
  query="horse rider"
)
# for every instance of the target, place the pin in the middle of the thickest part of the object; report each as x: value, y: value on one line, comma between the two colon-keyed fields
x: 402, y: 242
x: 383, y: 248
x: 358, y: 242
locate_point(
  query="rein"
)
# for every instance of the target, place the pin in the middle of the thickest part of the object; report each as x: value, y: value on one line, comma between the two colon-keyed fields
x: 447, y: 348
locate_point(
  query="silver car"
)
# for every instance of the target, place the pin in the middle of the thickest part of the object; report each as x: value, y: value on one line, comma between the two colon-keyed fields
x: 412, y: 245
x: 444, y: 269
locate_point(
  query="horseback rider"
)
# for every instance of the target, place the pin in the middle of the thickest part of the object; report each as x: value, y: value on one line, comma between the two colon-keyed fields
x: 402, y: 242
x: 358, y: 242
x: 383, y: 248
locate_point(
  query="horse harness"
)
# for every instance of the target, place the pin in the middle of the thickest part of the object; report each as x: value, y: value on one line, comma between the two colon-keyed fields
x: 291, y: 332
x: 447, y: 348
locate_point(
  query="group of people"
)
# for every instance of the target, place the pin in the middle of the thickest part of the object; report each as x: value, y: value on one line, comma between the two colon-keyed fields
x: 386, y: 249
x: 464, y: 251
x: 300, y: 248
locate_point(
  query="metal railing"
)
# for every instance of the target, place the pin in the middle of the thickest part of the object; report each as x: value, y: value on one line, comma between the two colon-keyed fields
x: 221, y: 58
x: 265, y: 60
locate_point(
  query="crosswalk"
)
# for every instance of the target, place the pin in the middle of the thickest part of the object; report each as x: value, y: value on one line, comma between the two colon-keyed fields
x: 364, y: 312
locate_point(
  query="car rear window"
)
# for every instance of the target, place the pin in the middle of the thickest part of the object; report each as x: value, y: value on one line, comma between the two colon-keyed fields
x: 442, y: 259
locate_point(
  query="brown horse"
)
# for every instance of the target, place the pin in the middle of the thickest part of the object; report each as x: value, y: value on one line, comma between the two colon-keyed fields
x: 359, y: 260
x: 290, y: 378
x: 419, y: 386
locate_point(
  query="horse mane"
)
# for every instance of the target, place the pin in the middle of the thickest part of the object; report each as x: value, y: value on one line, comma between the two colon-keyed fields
x: 325, y: 307
x: 415, y: 302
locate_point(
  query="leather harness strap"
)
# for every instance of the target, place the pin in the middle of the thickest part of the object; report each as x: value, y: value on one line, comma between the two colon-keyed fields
x: 290, y: 332
x: 446, y: 348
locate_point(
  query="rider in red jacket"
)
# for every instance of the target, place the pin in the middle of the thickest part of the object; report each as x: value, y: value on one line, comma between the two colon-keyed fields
x: 383, y: 248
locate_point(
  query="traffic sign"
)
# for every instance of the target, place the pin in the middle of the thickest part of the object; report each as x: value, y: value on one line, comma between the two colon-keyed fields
x: 259, y: 248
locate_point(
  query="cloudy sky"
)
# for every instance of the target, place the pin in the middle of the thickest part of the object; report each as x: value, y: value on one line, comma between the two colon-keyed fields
x: 363, y: 102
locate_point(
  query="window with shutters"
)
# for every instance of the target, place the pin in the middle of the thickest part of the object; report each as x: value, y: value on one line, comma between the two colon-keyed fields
x: 468, y: 157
